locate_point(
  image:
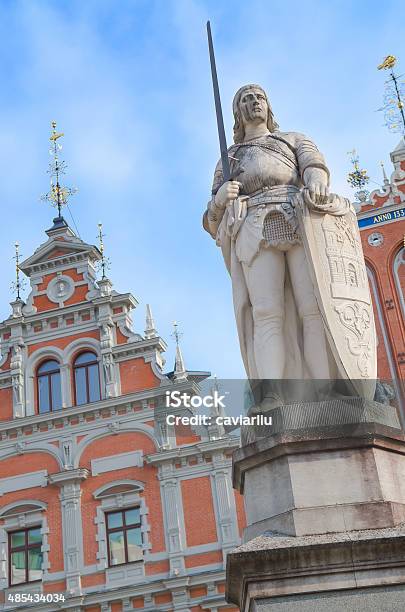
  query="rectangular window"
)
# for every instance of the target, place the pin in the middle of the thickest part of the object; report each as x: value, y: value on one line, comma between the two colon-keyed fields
x: 124, y: 536
x: 25, y: 556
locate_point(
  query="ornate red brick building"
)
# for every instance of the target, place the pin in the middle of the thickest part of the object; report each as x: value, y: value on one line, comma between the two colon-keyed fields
x: 381, y: 221
x: 100, y: 499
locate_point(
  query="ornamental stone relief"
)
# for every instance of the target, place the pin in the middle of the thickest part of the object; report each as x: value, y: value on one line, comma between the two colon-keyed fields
x: 60, y: 289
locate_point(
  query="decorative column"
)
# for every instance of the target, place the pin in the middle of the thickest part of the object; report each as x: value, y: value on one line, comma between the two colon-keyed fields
x: 223, y: 492
x: 106, y: 344
x: 173, y: 512
x: 70, y: 493
x: 17, y: 378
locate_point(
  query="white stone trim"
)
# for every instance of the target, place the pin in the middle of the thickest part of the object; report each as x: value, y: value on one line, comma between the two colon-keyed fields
x: 137, y: 487
x: 14, y: 522
x: 45, y: 352
x: 19, y: 447
x: 132, y: 572
x: 115, y: 462
x: 27, y: 480
x: 64, y: 358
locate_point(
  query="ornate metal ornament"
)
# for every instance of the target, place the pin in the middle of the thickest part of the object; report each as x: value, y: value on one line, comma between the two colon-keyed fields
x: 58, y: 195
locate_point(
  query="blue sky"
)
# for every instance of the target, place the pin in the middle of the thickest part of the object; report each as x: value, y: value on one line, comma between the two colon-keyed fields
x: 129, y: 84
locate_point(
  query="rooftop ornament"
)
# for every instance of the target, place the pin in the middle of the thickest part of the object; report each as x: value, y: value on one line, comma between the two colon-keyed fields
x: 58, y: 195
x: 19, y: 283
x: 358, y: 178
x: 105, y: 263
x: 394, y: 97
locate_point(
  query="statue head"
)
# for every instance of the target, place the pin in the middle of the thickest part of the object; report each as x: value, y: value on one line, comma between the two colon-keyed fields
x: 242, y: 110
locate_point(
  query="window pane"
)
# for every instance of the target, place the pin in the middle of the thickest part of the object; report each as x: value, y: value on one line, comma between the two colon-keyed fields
x: 18, y: 539
x: 94, y: 383
x: 43, y: 394
x: 17, y: 567
x: 56, y: 392
x: 80, y: 382
x: 34, y: 564
x: 134, y: 543
x: 114, y: 520
x: 48, y: 366
x: 85, y: 358
x: 34, y: 536
x: 117, y: 549
x: 132, y: 517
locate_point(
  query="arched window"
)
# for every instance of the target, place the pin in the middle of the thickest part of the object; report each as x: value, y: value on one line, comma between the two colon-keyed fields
x: 87, y: 378
x: 49, y: 389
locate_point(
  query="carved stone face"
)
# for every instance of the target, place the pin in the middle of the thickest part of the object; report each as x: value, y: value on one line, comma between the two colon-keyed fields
x: 253, y: 106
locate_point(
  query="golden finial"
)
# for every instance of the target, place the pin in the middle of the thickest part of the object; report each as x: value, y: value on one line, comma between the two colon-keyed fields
x: 54, y: 136
x: 388, y: 62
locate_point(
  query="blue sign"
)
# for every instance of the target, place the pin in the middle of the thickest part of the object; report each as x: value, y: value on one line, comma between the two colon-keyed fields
x: 382, y: 217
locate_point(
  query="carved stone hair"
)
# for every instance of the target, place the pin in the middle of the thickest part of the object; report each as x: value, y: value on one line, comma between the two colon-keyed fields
x: 238, y: 127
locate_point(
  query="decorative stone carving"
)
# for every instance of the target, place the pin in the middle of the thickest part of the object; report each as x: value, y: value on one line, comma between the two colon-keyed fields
x: 60, y: 289
x: 108, y: 365
x: 20, y: 447
x: 17, y: 378
x: 67, y: 453
x: 106, y: 339
x: 114, y: 427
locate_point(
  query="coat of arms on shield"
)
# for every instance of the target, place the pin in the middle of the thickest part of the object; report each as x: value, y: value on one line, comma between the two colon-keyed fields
x: 333, y: 248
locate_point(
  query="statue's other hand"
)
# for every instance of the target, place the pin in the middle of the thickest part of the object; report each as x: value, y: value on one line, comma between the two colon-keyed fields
x: 318, y: 193
x: 226, y: 193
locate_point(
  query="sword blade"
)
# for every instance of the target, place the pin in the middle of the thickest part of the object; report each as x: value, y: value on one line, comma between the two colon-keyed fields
x: 226, y: 171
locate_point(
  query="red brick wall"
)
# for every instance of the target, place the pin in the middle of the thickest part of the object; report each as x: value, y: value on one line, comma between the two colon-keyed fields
x: 199, y: 516
x: 137, y: 375
x: 62, y: 343
x: 6, y: 404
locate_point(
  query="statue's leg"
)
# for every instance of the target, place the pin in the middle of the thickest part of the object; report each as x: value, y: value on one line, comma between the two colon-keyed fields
x: 315, y: 343
x: 265, y: 283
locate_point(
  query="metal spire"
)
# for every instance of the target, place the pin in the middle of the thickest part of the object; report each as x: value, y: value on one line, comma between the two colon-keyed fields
x: 19, y: 284
x: 150, y: 330
x: 358, y: 178
x: 104, y: 263
x: 180, y: 372
x: 58, y: 195
x: 385, y: 177
x: 394, y: 97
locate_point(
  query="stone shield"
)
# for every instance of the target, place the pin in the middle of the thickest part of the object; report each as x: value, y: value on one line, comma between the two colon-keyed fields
x: 333, y: 249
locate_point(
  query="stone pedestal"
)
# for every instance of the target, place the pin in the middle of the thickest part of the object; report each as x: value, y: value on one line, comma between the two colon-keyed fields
x: 325, y: 508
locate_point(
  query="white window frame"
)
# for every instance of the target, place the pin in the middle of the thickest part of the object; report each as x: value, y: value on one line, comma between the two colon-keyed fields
x: 128, y: 573
x: 14, y: 519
